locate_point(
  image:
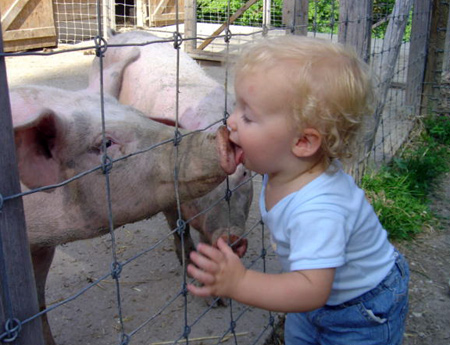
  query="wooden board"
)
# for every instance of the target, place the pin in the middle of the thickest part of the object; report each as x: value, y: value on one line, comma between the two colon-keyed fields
x: 163, y: 12
x: 27, y: 24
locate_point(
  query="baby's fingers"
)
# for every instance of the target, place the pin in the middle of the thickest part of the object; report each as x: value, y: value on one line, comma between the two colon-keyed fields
x: 210, y: 252
x: 200, y: 275
x: 201, y: 291
x: 203, y: 262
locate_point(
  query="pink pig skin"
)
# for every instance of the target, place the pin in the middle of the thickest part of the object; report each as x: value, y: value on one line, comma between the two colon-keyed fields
x: 58, y: 135
x: 149, y: 85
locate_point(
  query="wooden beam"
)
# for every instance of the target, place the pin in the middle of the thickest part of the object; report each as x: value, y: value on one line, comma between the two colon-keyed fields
x: 418, y: 50
x: 355, y: 25
x: 190, y: 25
x: 295, y: 17
x: 159, y: 9
x: 384, y: 68
x: 235, y: 16
x: 21, y: 34
x: 12, y: 13
x: 18, y: 297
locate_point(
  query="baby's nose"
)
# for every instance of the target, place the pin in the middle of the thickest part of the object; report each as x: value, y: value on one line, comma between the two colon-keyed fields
x: 231, y: 124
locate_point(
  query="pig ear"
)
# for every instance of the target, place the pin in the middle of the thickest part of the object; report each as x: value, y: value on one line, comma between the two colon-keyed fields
x: 112, y: 74
x: 36, y: 140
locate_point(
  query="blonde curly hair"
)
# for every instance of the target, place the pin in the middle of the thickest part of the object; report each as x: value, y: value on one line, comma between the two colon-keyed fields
x: 332, y: 88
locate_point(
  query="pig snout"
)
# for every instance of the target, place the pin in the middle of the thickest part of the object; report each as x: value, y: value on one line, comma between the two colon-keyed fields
x: 237, y: 243
x: 226, y: 151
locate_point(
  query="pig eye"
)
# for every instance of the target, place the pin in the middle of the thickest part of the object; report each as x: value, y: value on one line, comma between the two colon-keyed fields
x: 108, y: 143
x: 97, y: 148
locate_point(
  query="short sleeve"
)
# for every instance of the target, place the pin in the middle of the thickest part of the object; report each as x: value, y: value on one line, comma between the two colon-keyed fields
x: 317, y: 239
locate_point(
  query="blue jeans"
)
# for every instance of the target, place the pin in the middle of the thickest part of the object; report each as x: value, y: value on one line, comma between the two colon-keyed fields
x: 376, y: 317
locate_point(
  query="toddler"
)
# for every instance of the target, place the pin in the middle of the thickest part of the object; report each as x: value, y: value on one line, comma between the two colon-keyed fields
x: 300, y: 103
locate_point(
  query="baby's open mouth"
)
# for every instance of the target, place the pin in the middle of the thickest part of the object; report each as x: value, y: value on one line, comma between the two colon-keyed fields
x: 238, y: 153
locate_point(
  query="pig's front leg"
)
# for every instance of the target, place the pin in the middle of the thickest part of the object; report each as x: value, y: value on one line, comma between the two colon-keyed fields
x: 42, y: 260
x: 172, y: 218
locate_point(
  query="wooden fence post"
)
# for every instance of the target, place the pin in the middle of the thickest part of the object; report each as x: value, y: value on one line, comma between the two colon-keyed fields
x: 436, y: 46
x: 295, y: 16
x: 190, y: 25
x: 355, y: 25
x: 384, y: 68
x: 355, y: 28
x: 418, y: 47
x: 18, y: 294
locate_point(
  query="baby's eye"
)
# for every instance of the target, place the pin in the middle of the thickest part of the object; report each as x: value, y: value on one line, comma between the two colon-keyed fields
x: 246, y: 119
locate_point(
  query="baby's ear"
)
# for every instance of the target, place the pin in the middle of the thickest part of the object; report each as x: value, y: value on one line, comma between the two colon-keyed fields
x: 307, y: 144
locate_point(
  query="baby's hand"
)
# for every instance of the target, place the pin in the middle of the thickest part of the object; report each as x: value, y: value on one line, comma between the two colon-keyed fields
x: 218, y: 269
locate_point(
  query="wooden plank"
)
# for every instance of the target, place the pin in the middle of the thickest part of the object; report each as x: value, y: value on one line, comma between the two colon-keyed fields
x: 21, y: 302
x: 167, y: 17
x: 163, y: 12
x: 384, y: 68
x: 420, y: 32
x: 24, y: 16
x: 198, y: 54
x: 355, y: 25
x: 160, y: 7
x: 235, y: 16
x: 295, y: 17
x: 12, y: 13
x: 21, y: 34
x: 190, y: 25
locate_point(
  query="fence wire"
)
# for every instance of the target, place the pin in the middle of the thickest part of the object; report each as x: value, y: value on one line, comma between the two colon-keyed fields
x: 80, y: 20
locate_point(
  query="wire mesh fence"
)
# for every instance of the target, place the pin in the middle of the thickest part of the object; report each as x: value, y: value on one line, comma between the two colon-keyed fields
x: 139, y: 270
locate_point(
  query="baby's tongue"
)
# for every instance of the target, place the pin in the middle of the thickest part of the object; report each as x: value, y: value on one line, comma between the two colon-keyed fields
x: 238, y: 154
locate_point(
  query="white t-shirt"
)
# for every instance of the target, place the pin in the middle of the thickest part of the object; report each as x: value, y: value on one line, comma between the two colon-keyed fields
x: 330, y: 224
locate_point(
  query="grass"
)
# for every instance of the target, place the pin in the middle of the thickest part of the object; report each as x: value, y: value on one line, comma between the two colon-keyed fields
x: 399, y: 191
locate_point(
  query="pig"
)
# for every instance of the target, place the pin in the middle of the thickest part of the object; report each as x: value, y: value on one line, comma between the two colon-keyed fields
x: 149, y: 85
x: 58, y: 135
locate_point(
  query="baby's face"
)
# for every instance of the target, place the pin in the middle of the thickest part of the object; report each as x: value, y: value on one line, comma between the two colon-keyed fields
x: 260, y: 123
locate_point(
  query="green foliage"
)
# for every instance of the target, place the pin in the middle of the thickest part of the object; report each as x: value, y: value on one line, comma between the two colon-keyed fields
x: 438, y: 127
x: 400, y: 211
x: 399, y: 191
x: 215, y: 11
x: 323, y: 15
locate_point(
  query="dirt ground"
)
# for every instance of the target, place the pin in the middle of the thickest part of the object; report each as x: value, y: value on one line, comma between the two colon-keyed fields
x: 148, y: 283
x: 429, y: 259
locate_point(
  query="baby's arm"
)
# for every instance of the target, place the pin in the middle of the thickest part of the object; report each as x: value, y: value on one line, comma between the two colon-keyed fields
x: 222, y: 274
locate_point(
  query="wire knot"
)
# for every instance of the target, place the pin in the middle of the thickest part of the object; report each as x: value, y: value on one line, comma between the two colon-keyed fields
x: 100, y: 46
x: 184, y: 290
x: 263, y: 252
x: 228, y: 35
x: 228, y: 194
x: 125, y: 339
x: 187, y: 331
x: 1, y: 202
x: 116, y: 269
x: 107, y: 164
x: 177, y: 138
x: 12, y: 328
x: 177, y: 40
x: 181, y: 226
x: 226, y: 115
